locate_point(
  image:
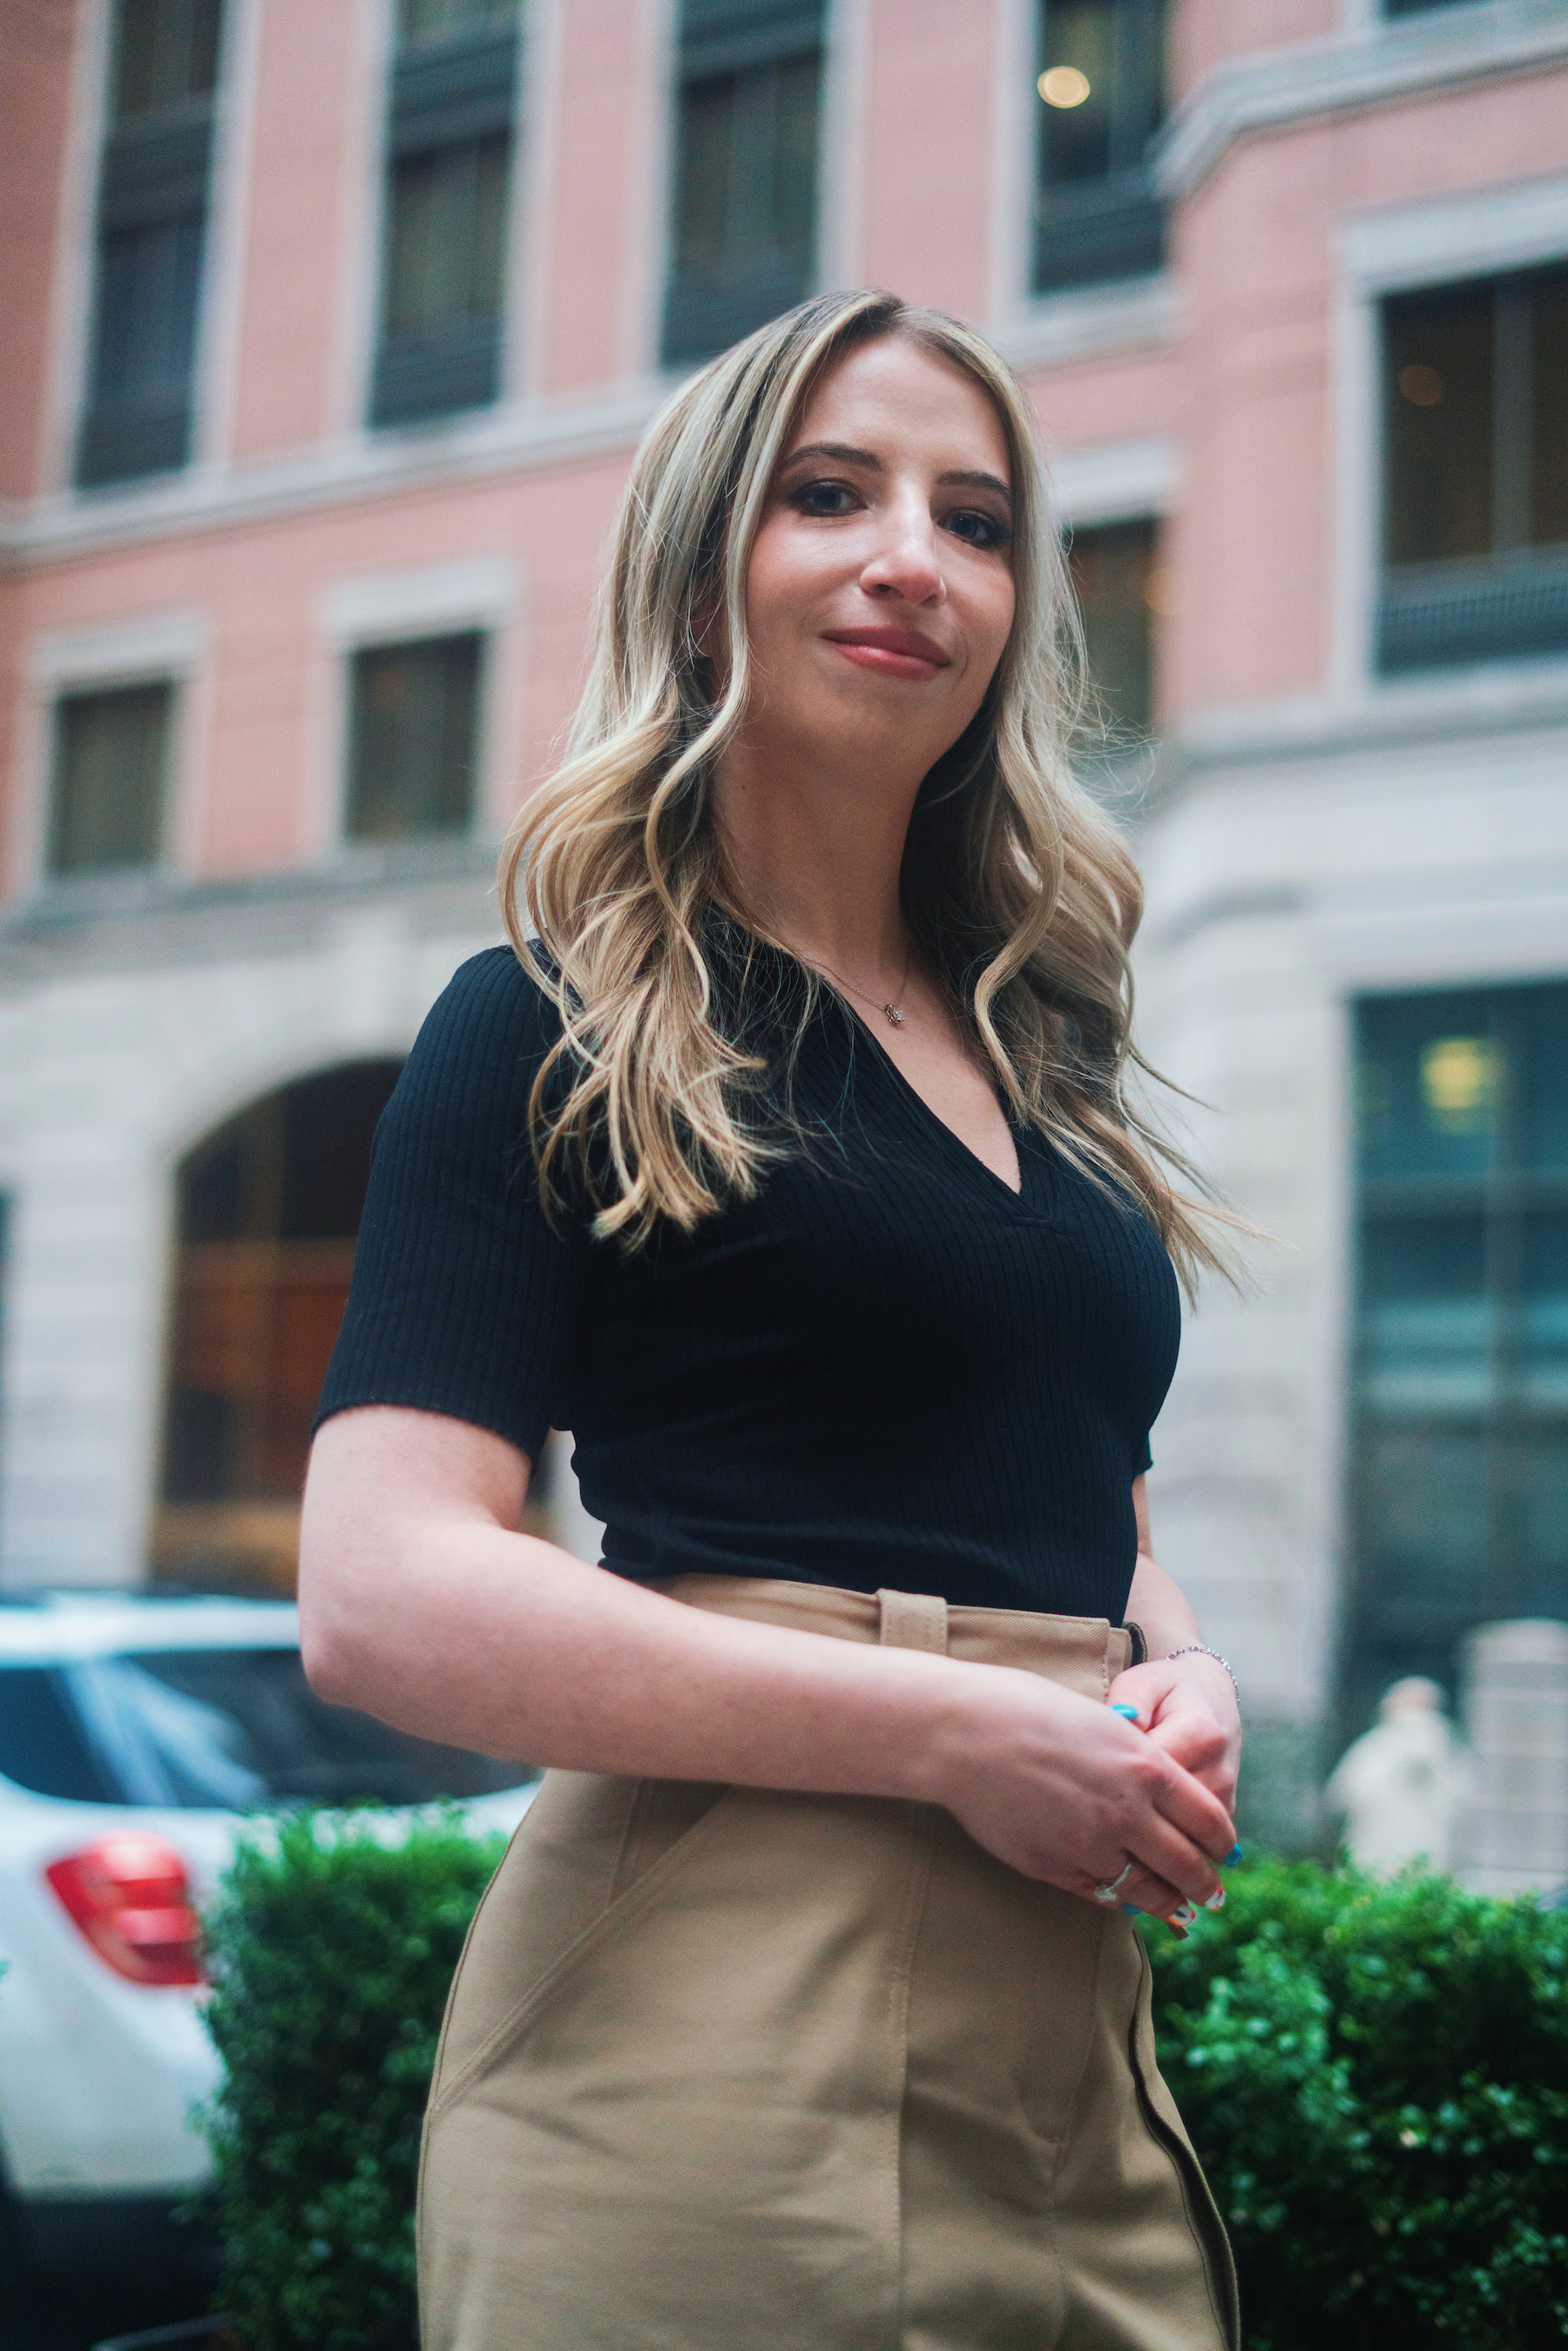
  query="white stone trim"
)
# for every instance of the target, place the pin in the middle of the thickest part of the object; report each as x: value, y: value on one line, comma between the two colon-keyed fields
x: 493, y: 442
x: 842, y: 148
x: 1477, y: 233
x: 226, y: 240
x: 1117, y: 480
x: 1492, y: 699
x: 382, y: 607
x: 357, y: 232
x: 76, y: 249
x: 1013, y: 104
x: 1134, y: 314
x: 530, y: 230
x: 1382, y: 62
x: 119, y: 653
x: 647, y: 196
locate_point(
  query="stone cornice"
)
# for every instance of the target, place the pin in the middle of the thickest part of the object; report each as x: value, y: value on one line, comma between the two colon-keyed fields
x: 1387, y: 62
x: 504, y: 441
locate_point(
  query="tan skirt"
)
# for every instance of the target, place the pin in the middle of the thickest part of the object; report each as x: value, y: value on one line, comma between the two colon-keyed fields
x: 730, y: 2070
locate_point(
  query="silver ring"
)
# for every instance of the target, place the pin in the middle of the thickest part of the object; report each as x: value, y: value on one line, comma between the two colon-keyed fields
x: 1112, y: 1885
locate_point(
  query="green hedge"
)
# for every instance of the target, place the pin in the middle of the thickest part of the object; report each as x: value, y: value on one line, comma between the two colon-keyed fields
x: 1375, y: 2076
x: 331, y: 1949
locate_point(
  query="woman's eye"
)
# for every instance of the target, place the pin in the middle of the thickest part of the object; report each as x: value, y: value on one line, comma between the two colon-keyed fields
x: 824, y: 497
x: 979, y: 529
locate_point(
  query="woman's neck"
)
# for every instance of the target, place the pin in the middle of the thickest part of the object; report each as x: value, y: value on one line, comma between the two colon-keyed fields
x: 814, y: 858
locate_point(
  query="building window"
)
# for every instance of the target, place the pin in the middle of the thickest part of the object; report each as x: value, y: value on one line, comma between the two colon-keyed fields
x: 744, y: 231
x: 268, y: 1211
x: 111, y: 778
x: 413, y: 739
x: 452, y: 109
x: 152, y: 232
x: 1101, y: 80
x: 1417, y: 7
x: 1116, y: 579
x: 1459, y: 1489
x: 1476, y: 479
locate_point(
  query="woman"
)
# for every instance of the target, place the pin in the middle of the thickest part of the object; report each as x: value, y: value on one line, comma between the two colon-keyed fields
x: 786, y: 1162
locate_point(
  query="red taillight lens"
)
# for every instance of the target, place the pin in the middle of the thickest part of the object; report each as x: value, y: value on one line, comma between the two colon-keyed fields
x: 129, y: 1895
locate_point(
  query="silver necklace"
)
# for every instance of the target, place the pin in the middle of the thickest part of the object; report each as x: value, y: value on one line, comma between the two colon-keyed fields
x: 892, y: 1012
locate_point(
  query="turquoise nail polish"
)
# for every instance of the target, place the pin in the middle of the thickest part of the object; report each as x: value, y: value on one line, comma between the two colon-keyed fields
x: 1130, y: 1711
x: 1231, y: 1858
x: 1133, y: 1908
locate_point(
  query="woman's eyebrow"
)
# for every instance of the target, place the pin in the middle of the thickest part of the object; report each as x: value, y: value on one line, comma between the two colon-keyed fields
x: 842, y: 453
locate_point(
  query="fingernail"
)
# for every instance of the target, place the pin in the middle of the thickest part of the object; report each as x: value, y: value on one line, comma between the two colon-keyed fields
x: 1185, y: 1912
x: 1217, y: 1899
x: 1231, y: 1858
x: 1133, y: 1908
x: 1130, y: 1711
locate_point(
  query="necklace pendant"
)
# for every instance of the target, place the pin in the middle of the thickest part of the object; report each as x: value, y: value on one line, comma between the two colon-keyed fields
x: 893, y: 1014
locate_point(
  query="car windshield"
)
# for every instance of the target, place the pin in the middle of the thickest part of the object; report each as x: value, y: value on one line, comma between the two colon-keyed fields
x: 215, y: 1728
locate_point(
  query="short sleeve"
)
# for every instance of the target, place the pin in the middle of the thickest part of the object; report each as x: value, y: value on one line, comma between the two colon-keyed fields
x: 464, y: 1299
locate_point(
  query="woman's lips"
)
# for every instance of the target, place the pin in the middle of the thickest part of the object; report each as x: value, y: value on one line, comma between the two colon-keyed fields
x: 892, y: 652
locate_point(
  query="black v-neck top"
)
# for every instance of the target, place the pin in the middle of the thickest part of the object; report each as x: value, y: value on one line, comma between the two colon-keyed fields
x: 886, y: 1369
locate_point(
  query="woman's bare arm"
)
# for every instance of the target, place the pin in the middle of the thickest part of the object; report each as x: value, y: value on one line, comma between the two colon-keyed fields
x: 420, y: 1603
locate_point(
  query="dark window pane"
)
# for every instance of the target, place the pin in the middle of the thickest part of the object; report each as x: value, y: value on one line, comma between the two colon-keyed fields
x: 745, y: 202
x: 1432, y: 1080
x: 42, y: 1743
x: 1543, y: 1024
x: 446, y: 240
x: 441, y: 20
x: 165, y: 51
x: 1423, y: 1531
x: 415, y: 737
x: 112, y: 757
x: 1113, y: 578
x: 1548, y: 408
x: 1544, y: 1316
x: 1100, y: 87
x: 1440, y: 391
x: 1427, y: 1319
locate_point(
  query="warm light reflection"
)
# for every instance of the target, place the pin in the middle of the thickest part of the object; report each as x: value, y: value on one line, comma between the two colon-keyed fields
x: 1063, y: 86
x: 1421, y: 385
x: 1460, y: 1082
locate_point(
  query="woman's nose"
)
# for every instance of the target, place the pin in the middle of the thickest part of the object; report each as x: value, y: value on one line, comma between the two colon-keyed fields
x: 906, y: 561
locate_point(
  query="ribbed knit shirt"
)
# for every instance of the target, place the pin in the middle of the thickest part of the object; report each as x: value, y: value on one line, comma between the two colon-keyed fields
x: 886, y: 1368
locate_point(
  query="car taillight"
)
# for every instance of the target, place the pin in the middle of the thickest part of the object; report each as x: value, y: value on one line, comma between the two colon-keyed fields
x: 129, y: 1895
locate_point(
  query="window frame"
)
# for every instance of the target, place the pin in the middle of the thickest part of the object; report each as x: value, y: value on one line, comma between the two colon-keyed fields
x: 1502, y: 1198
x: 1510, y: 602
x: 157, y: 170
x: 446, y: 97
x: 797, y: 29
x: 1383, y: 251
x: 1104, y: 242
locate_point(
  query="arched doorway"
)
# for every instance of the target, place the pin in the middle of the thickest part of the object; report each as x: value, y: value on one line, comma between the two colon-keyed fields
x: 268, y: 1207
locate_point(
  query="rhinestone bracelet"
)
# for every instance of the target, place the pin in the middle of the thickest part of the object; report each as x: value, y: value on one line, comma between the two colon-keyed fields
x: 1200, y: 1649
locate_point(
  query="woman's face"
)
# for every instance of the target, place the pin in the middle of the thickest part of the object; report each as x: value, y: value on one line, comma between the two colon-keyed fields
x: 880, y: 593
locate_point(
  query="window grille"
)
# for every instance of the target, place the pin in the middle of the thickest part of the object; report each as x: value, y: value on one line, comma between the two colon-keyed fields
x: 151, y: 239
x: 451, y: 112
x: 111, y: 774
x: 744, y: 194
x: 1100, y: 85
x: 1474, y: 396
x: 413, y: 739
x: 1460, y: 1478
x: 1117, y: 581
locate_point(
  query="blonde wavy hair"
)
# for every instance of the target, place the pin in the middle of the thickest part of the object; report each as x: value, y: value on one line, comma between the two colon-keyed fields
x: 1018, y: 893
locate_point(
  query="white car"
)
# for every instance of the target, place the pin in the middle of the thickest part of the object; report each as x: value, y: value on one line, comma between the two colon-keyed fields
x: 137, y: 1729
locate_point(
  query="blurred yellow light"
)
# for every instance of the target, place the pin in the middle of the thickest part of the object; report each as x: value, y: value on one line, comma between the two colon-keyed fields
x: 1063, y: 86
x: 1460, y: 1081
x: 1422, y: 385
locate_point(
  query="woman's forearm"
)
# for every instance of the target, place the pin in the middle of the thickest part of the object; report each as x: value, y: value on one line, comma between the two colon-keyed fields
x: 1159, y: 1606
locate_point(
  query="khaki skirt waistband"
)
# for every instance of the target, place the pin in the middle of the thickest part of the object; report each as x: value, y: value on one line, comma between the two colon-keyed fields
x: 1082, y: 1653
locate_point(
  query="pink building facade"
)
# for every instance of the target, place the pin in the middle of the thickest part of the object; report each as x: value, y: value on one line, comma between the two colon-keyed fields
x: 331, y: 332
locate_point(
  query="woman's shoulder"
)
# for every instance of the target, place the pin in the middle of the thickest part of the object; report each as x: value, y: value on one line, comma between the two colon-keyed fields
x: 491, y: 1019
